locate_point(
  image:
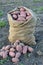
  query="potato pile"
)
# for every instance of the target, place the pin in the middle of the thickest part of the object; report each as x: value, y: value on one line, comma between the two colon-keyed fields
x: 15, y: 51
x: 21, y: 14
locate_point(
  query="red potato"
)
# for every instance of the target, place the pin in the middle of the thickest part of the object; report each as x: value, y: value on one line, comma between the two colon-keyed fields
x: 22, y: 9
x: 4, y: 55
x: 23, y: 14
x: 21, y: 19
x: 7, y: 51
x: 14, y: 16
x: 30, y: 49
x: 1, y: 53
x: 18, y: 54
x: 24, y: 49
x: 12, y: 54
x: 28, y: 17
x: 19, y: 48
x: 3, y: 48
x: 15, y: 44
x: 15, y: 60
x: 17, y: 41
x: 12, y: 49
x: 16, y: 12
x: 7, y: 47
x: 28, y: 14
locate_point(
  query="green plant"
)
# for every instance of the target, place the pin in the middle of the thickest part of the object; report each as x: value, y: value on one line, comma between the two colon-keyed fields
x: 2, y: 61
x: 41, y: 8
x: 1, y: 13
x: 37, y: 1
x: 2, y: 23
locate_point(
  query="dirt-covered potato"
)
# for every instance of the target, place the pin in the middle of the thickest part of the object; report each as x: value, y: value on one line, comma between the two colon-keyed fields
x: 12, y: 49
x: 30, y: 49
x: 3, y: 48
x: 24, y: 49
x: 4, y: 55
x: 7, y: 47
x: 19, y: 48
x: 17, y: 41
x: 23, y: 14
x: 18, y: 54
x: 22, y: 9
x: 20, y: 18
x: 14, y: 16
x: 15, y: 60
x: 28, y: 14
x: 1, y: 53
x: 12, y: 54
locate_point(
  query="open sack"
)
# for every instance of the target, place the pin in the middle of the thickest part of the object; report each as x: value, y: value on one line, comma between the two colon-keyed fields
x: 22, y: 30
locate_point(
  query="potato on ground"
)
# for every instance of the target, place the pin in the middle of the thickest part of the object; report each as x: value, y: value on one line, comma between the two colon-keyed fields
x: 15, y: 60
x: 12, y: 54
x: 18, y: 54
x: 19, y: 48
x: 7, y: 47
x: 4, y: 55
x: 24, y: 49
x: 30, y: 49
x: 12, y: 49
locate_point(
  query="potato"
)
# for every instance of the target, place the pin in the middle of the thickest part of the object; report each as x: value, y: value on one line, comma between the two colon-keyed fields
x: 21, y: 19
x: 7, y: 51
x: 17, y: 41
x: 16, y: 12
x: 28, y: 17
x: 3, y: 48
x: 18, y: 54
x: 12, y: 49
x: 19, y: 48
x: 30, y: 49
x: 23, y: 14
x: 24, y: 49
x: 22, y: 9
x: 12, y: 54
x: 7, y: 47
x: 14, y: 16
x: 4, y: 55
x: 1, y: 53
x: 28, y: 14
x: 15, y: 60
x: 15, y: 44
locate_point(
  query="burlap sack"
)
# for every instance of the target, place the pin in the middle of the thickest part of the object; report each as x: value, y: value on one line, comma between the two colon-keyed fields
x: 23, y: 31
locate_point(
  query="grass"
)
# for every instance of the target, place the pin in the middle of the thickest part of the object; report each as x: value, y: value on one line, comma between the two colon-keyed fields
x: 2, y: 23
x: 1, y: 13
x: 37, y: 1
x: 2, y: 61
x: 37, y: 9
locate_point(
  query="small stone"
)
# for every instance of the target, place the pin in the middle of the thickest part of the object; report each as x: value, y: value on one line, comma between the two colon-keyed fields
x: 39, y: 52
